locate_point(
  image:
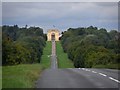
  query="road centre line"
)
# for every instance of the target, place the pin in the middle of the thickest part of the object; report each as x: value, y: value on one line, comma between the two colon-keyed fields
x: 88, y: 70
x: 83, y: 68
x: 103, y: 74
x: 114, y: 79
x: 94, y: 72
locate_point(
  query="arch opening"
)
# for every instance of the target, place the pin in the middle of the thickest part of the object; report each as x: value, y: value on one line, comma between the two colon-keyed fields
x: 52, y: 37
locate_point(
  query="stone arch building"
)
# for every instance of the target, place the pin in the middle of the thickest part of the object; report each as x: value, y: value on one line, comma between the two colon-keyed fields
x: 53, y: 34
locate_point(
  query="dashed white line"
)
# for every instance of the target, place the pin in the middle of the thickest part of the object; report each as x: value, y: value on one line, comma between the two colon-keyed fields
x: 88, y: 70
x: 94, y: 72
x: 114, y: 79
x: 83, y: 68
x: 103, y: 74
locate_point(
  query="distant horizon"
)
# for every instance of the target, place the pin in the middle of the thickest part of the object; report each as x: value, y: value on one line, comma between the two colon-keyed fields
x: 45, y: 31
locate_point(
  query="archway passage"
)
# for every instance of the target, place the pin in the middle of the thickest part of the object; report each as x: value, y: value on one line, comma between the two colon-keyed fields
x: 53, y: 37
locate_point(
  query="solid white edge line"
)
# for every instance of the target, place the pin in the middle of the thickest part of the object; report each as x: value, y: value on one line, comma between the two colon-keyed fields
x: 114, y: 79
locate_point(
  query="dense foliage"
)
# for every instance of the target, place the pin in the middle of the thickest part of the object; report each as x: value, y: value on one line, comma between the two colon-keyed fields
x: 22, y: 45
x: 91, y: 46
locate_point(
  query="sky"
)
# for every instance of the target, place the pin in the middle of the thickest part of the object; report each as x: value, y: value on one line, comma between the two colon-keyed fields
x: 62, y: 15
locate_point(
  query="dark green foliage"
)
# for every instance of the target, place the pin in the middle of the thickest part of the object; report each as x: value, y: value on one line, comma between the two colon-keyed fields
x: 88, y: 47
x: 22, y: 45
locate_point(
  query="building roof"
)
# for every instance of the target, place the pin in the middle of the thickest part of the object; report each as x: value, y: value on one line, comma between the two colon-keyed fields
x: 53, y: 30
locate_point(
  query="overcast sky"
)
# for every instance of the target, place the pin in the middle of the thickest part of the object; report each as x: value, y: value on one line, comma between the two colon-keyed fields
x: 62, y: 15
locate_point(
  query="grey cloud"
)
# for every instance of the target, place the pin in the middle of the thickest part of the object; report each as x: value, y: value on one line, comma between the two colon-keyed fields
x: 63, y: 15
x: 107, y: 4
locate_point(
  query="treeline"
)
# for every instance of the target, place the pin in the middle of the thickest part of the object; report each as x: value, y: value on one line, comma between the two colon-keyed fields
x: 22, y: 45
x: 88, y: 47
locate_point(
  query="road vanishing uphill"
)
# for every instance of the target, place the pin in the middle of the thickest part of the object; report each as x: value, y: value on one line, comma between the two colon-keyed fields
x: 77, y: 77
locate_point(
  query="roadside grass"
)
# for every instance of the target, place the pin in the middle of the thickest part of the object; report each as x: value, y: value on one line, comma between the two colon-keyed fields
x: 45, y: 59
x: 20, y: 76
x: 25, y: 75
x: 110, y: 66
x: 0, y: 77
x: 63, y: 61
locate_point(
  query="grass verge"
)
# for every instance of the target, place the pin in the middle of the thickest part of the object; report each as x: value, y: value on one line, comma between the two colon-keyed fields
x: 63, y: 61
x: 0, y: 77
x: 25, y: 75
x: 45, y: 59
x: 20, y: 76
x: 110, y: 66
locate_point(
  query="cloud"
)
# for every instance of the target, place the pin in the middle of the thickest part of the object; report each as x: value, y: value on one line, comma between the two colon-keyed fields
x: 62, y: 15
x: 60, y: 0
x: 0, y: 13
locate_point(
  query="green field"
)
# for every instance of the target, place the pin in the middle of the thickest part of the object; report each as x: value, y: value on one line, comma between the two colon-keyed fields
x: 25, y: 75
x: 63, y: 61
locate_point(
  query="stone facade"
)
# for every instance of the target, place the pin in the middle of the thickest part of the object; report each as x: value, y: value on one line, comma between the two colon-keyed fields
x: 53, y: 34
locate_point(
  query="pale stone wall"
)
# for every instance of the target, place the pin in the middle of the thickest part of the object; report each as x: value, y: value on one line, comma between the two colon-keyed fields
x: 55, y: 32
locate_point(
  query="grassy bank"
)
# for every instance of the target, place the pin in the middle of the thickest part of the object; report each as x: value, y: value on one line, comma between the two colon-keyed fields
x: 45, y: 59
x: 20, y: 76
x: 63, y: 61
x: 25, y: 75
x: 0, y: 77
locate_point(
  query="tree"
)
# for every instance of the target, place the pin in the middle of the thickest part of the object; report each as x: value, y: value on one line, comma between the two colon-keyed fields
x: 22, y: 45
x: 88, y: 47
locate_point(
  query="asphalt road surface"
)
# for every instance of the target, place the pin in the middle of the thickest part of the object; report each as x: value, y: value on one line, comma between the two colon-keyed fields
x: 53, y: 56
x: 77, y: 77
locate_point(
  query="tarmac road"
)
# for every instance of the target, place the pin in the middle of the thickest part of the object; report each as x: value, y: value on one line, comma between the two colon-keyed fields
x: 53, y: 56
x: 77, y: 77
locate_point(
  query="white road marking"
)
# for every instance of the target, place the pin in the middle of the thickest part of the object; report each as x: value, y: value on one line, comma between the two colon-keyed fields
x: 114, y: 79
x: 88, y: 70
x: 94, y: 72
x: 103, y: 74
x: 83, y: 68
